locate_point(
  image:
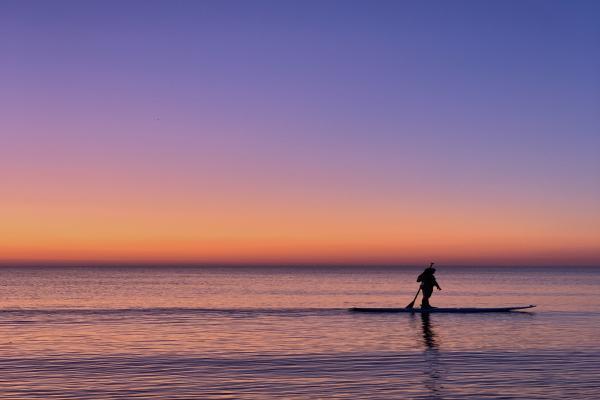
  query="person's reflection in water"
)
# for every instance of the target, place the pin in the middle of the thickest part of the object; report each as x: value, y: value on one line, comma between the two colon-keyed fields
x: 428, y: 334
x: 433, y: 372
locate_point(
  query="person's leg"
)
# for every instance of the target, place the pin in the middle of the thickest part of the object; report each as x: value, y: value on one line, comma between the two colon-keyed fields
x: 426, y: 295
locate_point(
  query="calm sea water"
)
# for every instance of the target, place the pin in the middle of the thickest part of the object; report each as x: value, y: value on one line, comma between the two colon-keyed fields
x: 252, y: 333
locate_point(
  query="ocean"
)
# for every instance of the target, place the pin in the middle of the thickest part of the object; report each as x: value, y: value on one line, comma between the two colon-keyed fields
x: 286, y: 333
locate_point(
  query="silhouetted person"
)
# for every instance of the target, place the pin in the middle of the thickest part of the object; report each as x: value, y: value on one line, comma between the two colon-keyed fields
x: 428, y: 281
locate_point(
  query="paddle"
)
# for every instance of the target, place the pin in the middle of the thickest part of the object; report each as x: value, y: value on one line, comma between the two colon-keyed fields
x: 412, y: 303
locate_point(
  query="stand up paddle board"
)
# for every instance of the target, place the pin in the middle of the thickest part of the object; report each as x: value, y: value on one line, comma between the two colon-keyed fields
x: 467, y: 310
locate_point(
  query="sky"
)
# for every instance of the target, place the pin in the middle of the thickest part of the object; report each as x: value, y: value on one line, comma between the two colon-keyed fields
x: 359, y: 132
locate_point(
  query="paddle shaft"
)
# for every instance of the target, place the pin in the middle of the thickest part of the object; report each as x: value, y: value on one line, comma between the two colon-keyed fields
x: 412, y: 303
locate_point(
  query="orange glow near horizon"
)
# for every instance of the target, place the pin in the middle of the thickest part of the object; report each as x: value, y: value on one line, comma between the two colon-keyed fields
x: 143, y: 224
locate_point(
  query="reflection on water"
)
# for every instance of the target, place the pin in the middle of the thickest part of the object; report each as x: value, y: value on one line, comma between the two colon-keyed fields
x: 433, y: 368
x: 428, y: 334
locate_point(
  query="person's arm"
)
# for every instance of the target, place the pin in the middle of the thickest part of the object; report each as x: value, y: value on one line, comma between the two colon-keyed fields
x: 436, y: 284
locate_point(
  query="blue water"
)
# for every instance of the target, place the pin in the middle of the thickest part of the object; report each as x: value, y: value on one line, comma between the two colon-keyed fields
x: 259, y: 333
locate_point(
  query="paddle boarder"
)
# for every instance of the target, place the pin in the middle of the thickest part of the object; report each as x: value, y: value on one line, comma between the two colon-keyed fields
x: 427, y: 279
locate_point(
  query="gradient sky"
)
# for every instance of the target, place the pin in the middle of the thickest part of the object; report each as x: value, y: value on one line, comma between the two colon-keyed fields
x: 466, y: 132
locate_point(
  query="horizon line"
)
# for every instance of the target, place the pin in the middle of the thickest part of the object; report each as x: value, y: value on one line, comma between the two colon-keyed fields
x: 271, y: 264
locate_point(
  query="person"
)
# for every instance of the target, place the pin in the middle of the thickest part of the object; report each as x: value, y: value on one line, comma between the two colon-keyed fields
x: 427, y: 279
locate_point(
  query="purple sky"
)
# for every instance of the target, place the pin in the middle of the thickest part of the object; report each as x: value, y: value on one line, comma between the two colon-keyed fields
x: 464, y: 119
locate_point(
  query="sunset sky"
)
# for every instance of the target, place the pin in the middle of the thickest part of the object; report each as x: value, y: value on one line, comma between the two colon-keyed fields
x: 466, y: 132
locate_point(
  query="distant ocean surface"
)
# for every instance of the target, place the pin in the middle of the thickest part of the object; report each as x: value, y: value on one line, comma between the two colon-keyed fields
x: 263, y: 333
